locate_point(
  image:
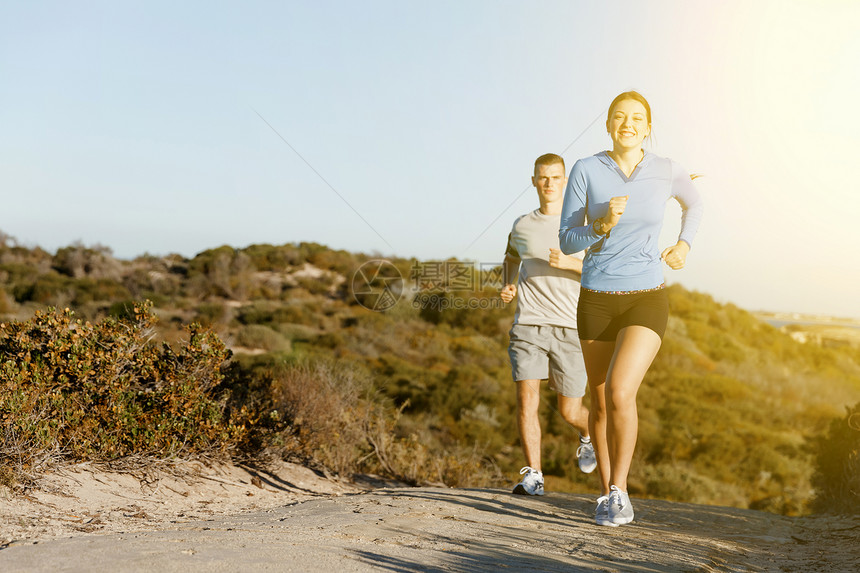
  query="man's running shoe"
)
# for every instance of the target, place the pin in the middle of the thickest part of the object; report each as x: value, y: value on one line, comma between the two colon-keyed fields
x: 532, y: 483
x: 601, y: 514
x: 586, y: 457
x: 620, y: 509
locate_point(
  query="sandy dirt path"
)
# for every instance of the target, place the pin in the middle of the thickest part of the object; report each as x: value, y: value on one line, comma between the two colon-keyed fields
x: 434, y: 529
x: 198, y: 517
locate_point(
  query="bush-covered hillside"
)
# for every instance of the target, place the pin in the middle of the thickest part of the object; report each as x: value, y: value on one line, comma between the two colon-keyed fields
x: 733, y: 411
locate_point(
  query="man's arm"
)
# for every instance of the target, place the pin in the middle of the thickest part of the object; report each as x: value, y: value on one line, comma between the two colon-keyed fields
x: 510, y: 270
x: 559, y: 260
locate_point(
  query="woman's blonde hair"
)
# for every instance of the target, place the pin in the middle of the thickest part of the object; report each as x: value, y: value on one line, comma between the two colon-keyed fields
x: 636, y: 96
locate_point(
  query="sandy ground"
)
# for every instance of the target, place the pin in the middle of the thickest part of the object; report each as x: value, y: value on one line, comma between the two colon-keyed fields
x: 229, y: 518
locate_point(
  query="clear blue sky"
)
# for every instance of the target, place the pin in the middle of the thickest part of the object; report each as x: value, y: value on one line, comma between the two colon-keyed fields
x: 138, y: 126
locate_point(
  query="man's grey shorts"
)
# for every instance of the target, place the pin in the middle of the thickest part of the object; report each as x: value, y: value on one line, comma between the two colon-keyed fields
x: 537, y: 351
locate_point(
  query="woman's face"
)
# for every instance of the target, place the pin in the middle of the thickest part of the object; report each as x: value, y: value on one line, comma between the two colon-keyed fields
x: 628, y: 125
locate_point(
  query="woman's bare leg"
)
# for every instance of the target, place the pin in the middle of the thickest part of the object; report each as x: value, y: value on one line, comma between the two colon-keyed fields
x: 635, y: 349
x: 598, y: 356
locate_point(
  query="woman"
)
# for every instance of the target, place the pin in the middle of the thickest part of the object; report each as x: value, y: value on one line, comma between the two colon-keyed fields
x: 614, y: 206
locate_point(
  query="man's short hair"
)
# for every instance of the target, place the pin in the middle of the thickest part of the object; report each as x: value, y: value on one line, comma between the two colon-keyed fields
x: 548, y: 159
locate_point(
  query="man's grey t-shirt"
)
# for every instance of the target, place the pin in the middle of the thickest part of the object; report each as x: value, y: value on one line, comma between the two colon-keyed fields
x: 546, y: 296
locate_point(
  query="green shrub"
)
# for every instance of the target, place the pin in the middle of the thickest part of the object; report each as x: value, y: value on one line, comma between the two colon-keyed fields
x: 681, y: 482
x: 7, y: 303
x: 82, y: 391
x: 273, y: 258
x: 837, y: 473
x: 123, y: 309
x: 78, y: 261
x: 717, y: 344
x: 209, y: 313
x: 87, y: 290
x: 18, y: 276
x: 296, y: 332
x: 153, y: 278
x: 45, y: 288
x: 329, y: 414
x: 261, y: 337
x: 321, y: 286
x: 54, y: 288
x: 272, y: 314
x: 223, y: 272
x: 481, y: 311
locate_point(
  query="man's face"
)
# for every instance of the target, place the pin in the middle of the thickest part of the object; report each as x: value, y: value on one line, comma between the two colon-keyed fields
x: 549, y: 180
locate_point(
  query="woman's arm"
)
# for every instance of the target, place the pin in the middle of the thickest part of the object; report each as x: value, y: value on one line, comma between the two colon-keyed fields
x: 573, y: 234
x: 692, y: 208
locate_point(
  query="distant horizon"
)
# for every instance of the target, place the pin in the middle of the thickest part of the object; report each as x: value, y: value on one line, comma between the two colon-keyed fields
x: 126, y: 258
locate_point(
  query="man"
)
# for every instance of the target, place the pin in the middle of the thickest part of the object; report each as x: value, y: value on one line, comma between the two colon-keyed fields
x: 544, y: 340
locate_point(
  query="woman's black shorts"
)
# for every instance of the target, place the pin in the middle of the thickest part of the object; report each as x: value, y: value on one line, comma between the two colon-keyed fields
x: 600, y: 316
